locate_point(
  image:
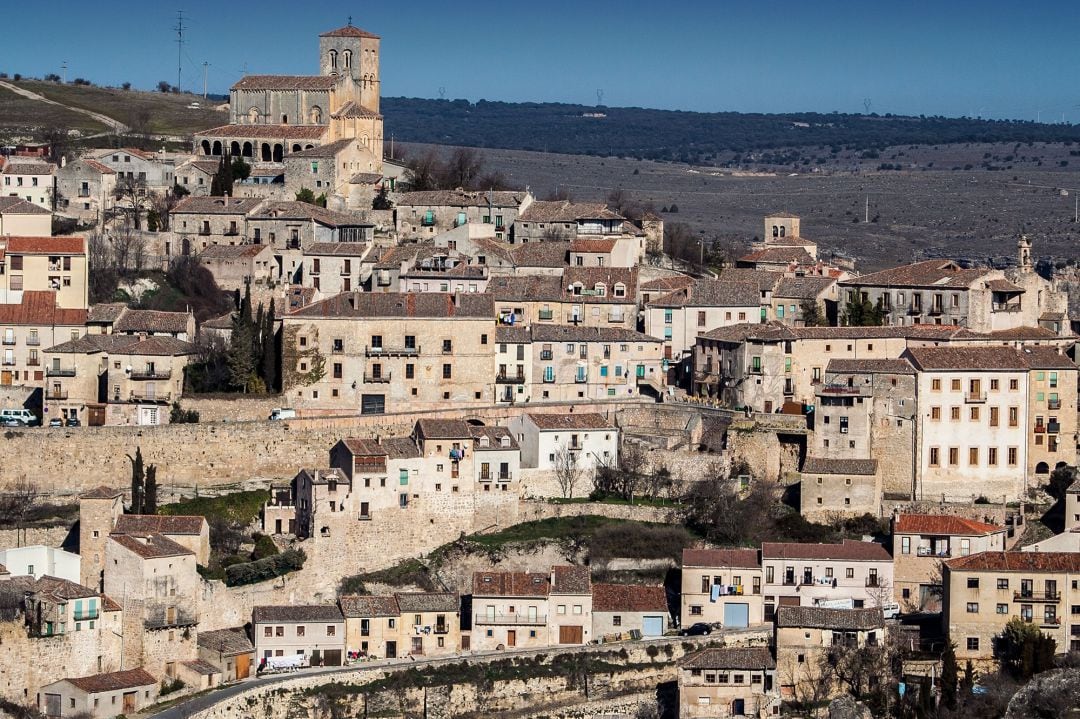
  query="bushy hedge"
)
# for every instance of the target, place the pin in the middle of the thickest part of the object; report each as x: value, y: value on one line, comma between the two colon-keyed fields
x: 259, y: 571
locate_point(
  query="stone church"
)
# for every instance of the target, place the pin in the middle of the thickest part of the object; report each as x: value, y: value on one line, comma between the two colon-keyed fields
x: 274, y: 116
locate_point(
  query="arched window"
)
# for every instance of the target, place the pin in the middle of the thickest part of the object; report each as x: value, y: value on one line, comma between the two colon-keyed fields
x: 1042, y: 468
x: 217, y: 148
x: 279, y: 153
x: 234, y: 148
x: 316, y: 115
x: 775, y: 231
x: 265, y: 152
x: 782, y: 228
x: 346, y: 58
x: 284, y: 119
x: 296, y: 147
x: 333, y: 60
x: 253, y: 116
x: 206, y: 147
x: 246, y: 150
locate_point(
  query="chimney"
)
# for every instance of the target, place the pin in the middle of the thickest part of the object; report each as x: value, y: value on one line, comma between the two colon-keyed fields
x: 457, y: 298
x: 553, y: 576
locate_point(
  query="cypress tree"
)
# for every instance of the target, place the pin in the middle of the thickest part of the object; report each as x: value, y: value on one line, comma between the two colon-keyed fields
x: 950, y: 677
x: 269, y: 350
x: 150, y: 498
x: 137, y: 478
x: 257, y: 340
x: 226, y: 175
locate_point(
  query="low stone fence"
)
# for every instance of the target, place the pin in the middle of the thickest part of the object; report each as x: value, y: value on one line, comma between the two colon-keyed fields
x: 532, y: 510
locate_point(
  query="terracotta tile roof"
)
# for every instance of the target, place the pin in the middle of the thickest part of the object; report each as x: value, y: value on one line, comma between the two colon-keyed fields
x: 300, y: 296
x: 495, y: 436
x: 109, y: 605
x: 571, y: 579
x: 105, y: 312
x: 824, y: 618
x: 589, y: 277
x: 432, y: 305
x: 779, y: 255
x: 774, y: 331
x: 1003, y: 285
x: 96, y: 166
x: 767, y: 280
x: 353, y: 109
x: 1047, y: 358
x: 769, y: 331
x: 229, y: 642
x: 19, y: 206
x: 16, y: 245
x: 510, y: 584
x: 570, y: 333
x: 712, y: 293
x: 208, y: 167
x: 586, y: 245
x: 329, y: 150
x: 567, y: 211
x: 232, y: 252
x: 62, y: 590
x: 295, y: 210
x: 942, y: 524
x: 202, y: 667
x: 216, y: 205
x: 266, y: 132
x: 113, y: 681
x: 540, y: 254
x: 28, y: 168
x: 549, y: 422
x: 1017, y: 562
x: 870, y: 366
x: 154, y: 546
x: 527, y: 288
x: 285, y: 82
x: 338, y: 249
x: 628, y: 598
x: 134, y: 321
x: 513, y: 335
x: 742, y: 558
x: 125, y: 345
x: 428, y: 602
x: 324, y: 476
x: 730, y: 658
x: 146, y: 524
x: 802, y: 288
x: 38, y: 308
x: 461, y: 198
x: 443, y: 429
x: 391, y: 447
x: 357, y: 606
x: 102, y: 492
x: 365, y: 178
x: 789, y: 241
x: 823, y: 465
x: 930, y: 273
x: 297, y: 613
x: 847, y: 550
x: 350, y: 31
x: 984, y: 359
x: 666, y: 284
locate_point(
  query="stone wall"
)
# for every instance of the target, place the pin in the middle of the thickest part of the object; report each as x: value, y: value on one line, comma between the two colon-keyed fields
x: 30, y: 536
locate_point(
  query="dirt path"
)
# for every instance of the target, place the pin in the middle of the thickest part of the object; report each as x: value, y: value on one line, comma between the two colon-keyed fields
x: 113, y: 125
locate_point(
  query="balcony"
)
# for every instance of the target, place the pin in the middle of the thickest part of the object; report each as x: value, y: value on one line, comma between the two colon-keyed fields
x: 391, y: 351
x: 511, y: 618
x: 1051, y: 404
x: 204, y: 232
x: 151, y: 374
x: 545, y: 355
x: 1053, y: 427
x: 1040, y: 429
x: 8, y: 362
x: 489, y: 477
x: 441, y: 629
x: 619, y: 318
x: 581, y: 378
x: 1022, y: 596
x: 1005, y: 307
x: 573, y: 318
x: 377, y: 379
x: 975, y: 397
x: 549, y: 379
x: 510, y: 378
x: 33, y: 341
x: 56, y: 394
x: 8, y: 341
x: 873, y: 582
x: 86, y: 616
x: 134, y: 396
x: 936, y: 310
x: 33, y: 363
x: 934, y: 552
x: 915, y: 310
x: 1050, y: 622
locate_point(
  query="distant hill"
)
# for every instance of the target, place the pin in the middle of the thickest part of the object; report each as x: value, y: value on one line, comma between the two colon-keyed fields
x: 692, y: 137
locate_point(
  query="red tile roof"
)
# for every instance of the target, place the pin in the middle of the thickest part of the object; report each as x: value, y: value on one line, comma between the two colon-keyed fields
x: 730, y: 658
x: 113, y: 681
x: 38, y: 307
x: 1017, y: 562
x: 155, y: 546
x: 628, y: 598
x: 44, y: 245
x: 931, y: 273
x: 742, y: 558
x: 848, y: 550
x: 102, y: 492
x: 776, y: 255
x: 511, y: 584
x: 430, y: 305
x: 19, y: 206
x: 266, y: 132
x: 547, y: 422
x: 944, y: 524
x: 571, y: 580
x: 144, y: 524
x: 587, y: 245
x: 350, y: 31
x: 285, y: 82
x: 354, y: 605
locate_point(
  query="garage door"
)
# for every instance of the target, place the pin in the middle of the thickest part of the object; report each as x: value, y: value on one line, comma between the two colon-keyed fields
x: 652, y: 626
x: 373, y: 404
x: 736, y: 615
x: 570, y: 635
x: 332, y: 658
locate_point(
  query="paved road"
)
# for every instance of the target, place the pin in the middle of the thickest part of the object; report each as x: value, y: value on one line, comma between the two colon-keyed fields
x: 113, y: 125
x: 196, y: 704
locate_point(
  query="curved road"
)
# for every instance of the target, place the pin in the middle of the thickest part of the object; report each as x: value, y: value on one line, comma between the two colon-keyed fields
x: 190, y: 707
x: 113, y: 125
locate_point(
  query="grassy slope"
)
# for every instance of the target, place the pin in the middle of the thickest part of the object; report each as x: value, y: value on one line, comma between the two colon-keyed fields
x: 240, y: 508
x: 167, y: 114
x: 22, y: 113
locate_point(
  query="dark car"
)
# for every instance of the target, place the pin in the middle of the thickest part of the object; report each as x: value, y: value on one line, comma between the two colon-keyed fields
x: 72, y: 422
x: 696, y: 630
x: 56, y: 422
x: 10, y: 422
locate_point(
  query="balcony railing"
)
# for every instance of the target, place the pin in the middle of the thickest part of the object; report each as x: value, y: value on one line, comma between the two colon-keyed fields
x: 86, y: 616
x: 441, y: 629
x: 873, y: 582
x: 151, y: 374
x: 134, y: 396
x: 510, y: 378
x: 33, y: 363
x: 1022, y: 596
x: 1052, y: 404
x: 490, y: 477
x: 204, y: 232
x: 1005, y: 307
x: 1040, y: 429
x: 545, y: 355
x: 380, y: 379
x: 8, y: 341
x: 56, y: 394
x: 511, y: 618
x: 33, y: 341
x: 931, y: 552
x: 975, y: 397
x: 573, y: 318
x: 391, y: 351
x: 581, y: 378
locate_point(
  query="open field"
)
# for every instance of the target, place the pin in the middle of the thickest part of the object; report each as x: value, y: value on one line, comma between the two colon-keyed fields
x: 974, y: 213
x: 19, y: 116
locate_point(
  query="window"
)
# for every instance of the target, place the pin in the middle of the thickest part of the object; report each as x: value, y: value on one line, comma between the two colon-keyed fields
x: 1014, y: 416
x: 700, y: 319
x: 934, y: 457
x: 994, y: 416
x: 973, y: 456
x: 954, y: 456
x: 616, y: 621
x: 935, y: 384
x: 905, y: 545
x: 974, y: 414
x: 973, y: 583
x: 849, y: 573
x: 972, y: 607
x: 447, y: 371
x: 955, y: 385
x: 1014, y: 384
x: 1002, y: 583
x: 973, y: 644
x: 1002, y: 609
x: 954, y: 413
x: 300, y: 630
x: 992, y: 456
x: 935, y: 413
x: 1013, y: 453
x: 331, y: 630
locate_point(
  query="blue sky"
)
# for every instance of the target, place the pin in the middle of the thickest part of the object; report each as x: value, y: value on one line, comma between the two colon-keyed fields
x: 992, y: 58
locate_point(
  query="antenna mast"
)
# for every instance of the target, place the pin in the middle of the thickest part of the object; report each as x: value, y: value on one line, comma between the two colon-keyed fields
x: 179, y: 45
x: 205, y: 68
x: 867, y: 213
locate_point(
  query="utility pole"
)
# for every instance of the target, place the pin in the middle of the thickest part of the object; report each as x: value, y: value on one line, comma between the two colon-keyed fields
x: 866, y: 214
x: 1076, y: 207
x: 63, y: 70
x: 179, y: 45
x: 205, y: 68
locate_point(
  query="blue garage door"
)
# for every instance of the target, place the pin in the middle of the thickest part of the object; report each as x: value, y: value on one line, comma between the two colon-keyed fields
x: 736, y: 615
x: 652, y: 626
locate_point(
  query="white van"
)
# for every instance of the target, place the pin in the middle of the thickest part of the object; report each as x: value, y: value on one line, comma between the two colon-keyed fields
x: 281, y: 413
x: 20, y: 417
x: 891, y: 610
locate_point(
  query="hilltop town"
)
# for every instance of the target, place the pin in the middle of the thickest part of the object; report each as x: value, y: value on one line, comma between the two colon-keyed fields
x: 288, y: 430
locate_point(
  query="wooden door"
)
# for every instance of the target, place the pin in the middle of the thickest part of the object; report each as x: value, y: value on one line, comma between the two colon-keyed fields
x: 243, y: 666
x: 511, y: 637
x: 332, y: 658
x: 5, y: 377
x: 129, y: 702
x: 391, y: 650
x: 570, y: 635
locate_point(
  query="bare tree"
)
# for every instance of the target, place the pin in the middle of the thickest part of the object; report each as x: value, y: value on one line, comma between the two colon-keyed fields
x: 567, y: 472
x: 128, y: 248
x: 17, y: 502
x: 462, y: 168
x: 134, y: 199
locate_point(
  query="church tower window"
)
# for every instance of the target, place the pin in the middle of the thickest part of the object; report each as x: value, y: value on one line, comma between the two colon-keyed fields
x: 333, y: 61
x: 346, y: 58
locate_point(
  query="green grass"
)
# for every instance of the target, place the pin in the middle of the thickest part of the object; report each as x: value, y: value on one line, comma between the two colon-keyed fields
x: 18, y: 113
x: 240, y: 508
x: 407, y: 573
x: 638, y: 501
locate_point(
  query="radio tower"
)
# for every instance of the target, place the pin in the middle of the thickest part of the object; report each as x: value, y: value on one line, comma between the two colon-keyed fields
x: 179, y: 45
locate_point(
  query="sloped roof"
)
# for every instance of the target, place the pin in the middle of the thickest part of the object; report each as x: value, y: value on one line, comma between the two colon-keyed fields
x: 847, y: 550
x: 62, y: 590
x: 350, y: 31
x: 929, y: 273
x: 232, y: 252
x: 38, y: 308
x: 354, y: 109
x: 802, y: 288
x: 741, y: 558
x: 266, y: 132
x: 19, y: 206
x: 125, y: 345
x: 510, y: 584
x: 297, y: 613
x: 461, y: 198
x: 285, y: 82
x: 571, y: 579
x: 824, y: 465
x: 942, y: 524
x: 712, y: 293
x: 730, y: 658
x: 443, y: 429
x: 134, y: 321
x: 202, y: 667
x: 779, y: 255
x: 328, y: 150
x: 628, y: 598
x: 102, y: 492
x: 985, y: 359
x: 428, y: 602
x: 296, y: 210
x: 146, y: 524
x: 105, y: 312
x: 581, y: 333
x: 825, y: 618
x: 539, y: 254
x: 355, y: 605
x: 229, y: 642
x: 546, y: 422
x: 870, y: 366
x: 17, y: 245
x: 433, y: 305
x: 113, y: 681
x: 153, y: 546
x: 567, y: 211
x: 1017, y: 562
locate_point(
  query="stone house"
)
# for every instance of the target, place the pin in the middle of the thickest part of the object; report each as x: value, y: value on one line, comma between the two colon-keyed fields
x: 547, y: 221
x: 584, y: 296
x: 34, y: 182
x: 199, y: 222
x: 620, y: 251
x: 722, y: 587
x: 196, y: 176
x: 115, y: 379
x: 792, y: 294
x: 291, y: 228
x: 661, y: 286
x: 922, y: 541
x: 24, y: 219
x: 35, y: 321
x: 777, y: 258
x: 191, y: 532
x: 52, y: 264
x: 429, y: 213
x: 808, y: 574
x: 119, y: 319
x: 100, y: 696
x: 329, y: 168
x: 335, y: 267
x: 729, y: 682
x: 372, y: 626
x: 234, y: 266
x: 315, y: 632
x: 150, y: 169
x: 514, y: 364
x: 1052, y: 392
x: 522, y: 609
x: 620, y: 609
x: 229, y: 650
x: 155, y: 579
x: 589, y: 438
x: 390, y: 352
x: 831, y: 488
x: 198, y: 675
x: 432, y: 277
x: 983, y: 591
x: 85, y: 189
x: 430, y: 623
x: 99, y: 510
x: 805, y: 636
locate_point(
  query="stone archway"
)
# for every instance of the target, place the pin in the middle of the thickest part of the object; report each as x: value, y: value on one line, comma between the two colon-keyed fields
x: 296, y: 147
x: 216, y: 148
x: 234, y: 148
x: 205, y: 147
x: 246, y: 150
x: 279, y: 152
x: 266, y: 152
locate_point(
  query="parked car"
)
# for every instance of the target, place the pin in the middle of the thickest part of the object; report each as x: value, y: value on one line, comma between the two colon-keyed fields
x: 696, y: 630
x: 56, y: 422
x: 10, y: 422
x: 891, y: 610
x: 22, y: 417
x: 72, y: 421
x: 281, y: 413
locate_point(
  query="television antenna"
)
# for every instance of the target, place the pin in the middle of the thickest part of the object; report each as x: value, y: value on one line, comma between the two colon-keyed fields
x: 599, y: 97
x: 442, y: 92
x: 63, y: 69
x: 867, y: 105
